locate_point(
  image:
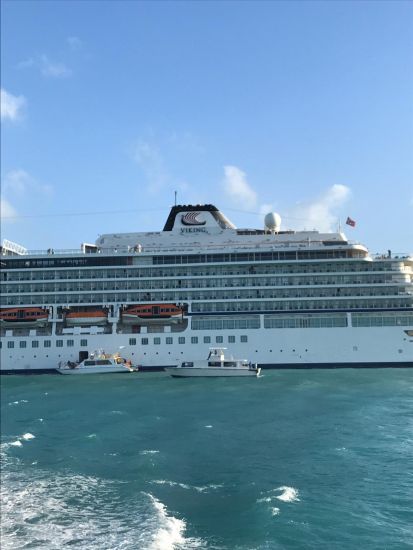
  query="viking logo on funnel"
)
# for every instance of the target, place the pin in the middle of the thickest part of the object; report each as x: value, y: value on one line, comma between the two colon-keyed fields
x: 190, y: 218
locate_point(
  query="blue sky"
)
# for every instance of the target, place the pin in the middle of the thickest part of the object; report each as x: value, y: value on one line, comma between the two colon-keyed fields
x: 305, y: 108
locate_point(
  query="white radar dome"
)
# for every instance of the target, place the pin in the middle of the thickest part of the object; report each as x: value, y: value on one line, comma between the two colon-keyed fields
x: 272, y: 221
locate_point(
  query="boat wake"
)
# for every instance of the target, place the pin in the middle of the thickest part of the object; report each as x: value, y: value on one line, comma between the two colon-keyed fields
x: 57, y: 509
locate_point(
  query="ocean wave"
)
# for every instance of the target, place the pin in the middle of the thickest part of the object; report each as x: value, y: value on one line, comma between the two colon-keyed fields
x: 28, y: 436
x: 170, y: 483
x: 18, y: 402
x: 199, y: 489
x: 149, y: 452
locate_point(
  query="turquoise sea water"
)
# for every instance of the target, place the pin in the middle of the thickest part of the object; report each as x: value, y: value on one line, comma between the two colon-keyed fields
x: 295, y: 459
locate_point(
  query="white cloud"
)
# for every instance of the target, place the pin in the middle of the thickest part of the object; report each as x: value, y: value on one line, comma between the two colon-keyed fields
x: 6, y: 210
x: 238, y: 189
x: 53, y: 69
x: 20, y: 183
x: 74, y: 42
x: 47, y: 67
x: 11, y: 106
x: 320, y: 213
x: 150, y: 160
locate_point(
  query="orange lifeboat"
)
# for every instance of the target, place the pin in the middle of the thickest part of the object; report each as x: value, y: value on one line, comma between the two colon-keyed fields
x: 91, y: 317
x: 23, y: 316
x: 152, y: 313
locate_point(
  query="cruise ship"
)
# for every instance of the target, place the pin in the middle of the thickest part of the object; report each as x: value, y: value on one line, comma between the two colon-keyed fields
x: 283, y: 299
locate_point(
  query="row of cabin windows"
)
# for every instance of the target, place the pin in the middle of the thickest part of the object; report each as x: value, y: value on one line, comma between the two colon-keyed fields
x: 182, y: 340
x: 132, y: 341
x: 46, y: 344
x: 362, y: 268
x: 101, y: 262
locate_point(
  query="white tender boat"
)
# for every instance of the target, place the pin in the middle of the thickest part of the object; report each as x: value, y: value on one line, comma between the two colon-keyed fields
x: 98, y: 363
x: 215, y: 365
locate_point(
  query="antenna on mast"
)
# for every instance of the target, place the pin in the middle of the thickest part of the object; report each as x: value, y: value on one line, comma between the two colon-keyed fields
x: 175, y: 197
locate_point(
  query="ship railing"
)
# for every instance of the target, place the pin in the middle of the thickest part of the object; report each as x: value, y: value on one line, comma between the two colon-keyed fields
x: 52, y: 251
x: 389, y: 255
x: 198, y: 248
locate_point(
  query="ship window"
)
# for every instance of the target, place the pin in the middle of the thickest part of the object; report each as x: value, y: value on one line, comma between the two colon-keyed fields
x: 47, y: 344
x: 157, y: 340
x: 59, y: 343
x: 169, y: 340
x: 83, y: 343
x: 35, y: 343
x: 10, y: 345
x: 231, y: 339
x: 70, y: 343
x: 132, y: 341
x: 244, y: 338
x: 181, y: 340
x: 103, y: 362
x: 23, y: 344
x: 194, y: 339
x: 145, y: 341
x: 89, y: 363
x: 207, y: 339
x: 219, y: 339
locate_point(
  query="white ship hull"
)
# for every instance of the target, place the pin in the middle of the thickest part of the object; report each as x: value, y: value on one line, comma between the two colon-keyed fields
x: 284, y: 299
x: 269, y: 348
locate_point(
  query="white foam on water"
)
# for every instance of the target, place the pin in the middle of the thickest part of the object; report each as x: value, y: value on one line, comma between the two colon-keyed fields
x: 289, y: 494
x: 275, y: 511
x: 52, y: 511
x: 171, y: 530
x: 91, y: 436
x: 265, y: 499
x: 208, y: 426
x: 28, y: 436
x: 17, y: 443
x: 170, y: 533
x: 170, y: 483
x: 40, y: 419
x: 17, y: 402
x: 149, y: 452
x: 206, y: 488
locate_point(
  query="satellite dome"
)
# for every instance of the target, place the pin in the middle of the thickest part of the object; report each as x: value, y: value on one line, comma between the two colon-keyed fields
x: 272, y: 221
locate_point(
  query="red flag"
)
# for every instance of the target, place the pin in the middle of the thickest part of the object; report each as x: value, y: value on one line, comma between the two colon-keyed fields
x: 351, y: 222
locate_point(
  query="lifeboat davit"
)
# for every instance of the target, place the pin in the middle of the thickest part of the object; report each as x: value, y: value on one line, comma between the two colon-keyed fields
x: 82, y: 318
x: 24, y: 316
x: 144, y: 314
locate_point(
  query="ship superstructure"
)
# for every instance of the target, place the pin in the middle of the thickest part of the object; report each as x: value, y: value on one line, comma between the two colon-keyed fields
x: 285, y: 299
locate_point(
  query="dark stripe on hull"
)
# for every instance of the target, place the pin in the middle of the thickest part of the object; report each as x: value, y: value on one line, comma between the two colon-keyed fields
x: 28, y: 371
x: 264, y: 366
x: 295, y: 366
